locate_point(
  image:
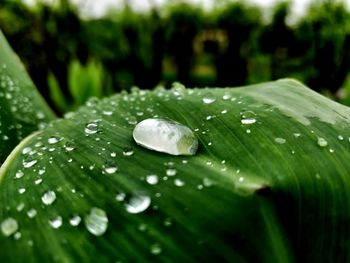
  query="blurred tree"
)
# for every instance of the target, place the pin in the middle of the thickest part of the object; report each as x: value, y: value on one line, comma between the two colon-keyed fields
x: 240, y: 21
x: 326, y: 34
x: 183, y: 23
x: 278, y: 39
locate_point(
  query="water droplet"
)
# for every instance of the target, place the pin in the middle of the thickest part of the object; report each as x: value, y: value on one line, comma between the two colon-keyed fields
x: 331, y: 150
x: 48, y: 198
x: 18, y: 235
x: 138, y: 203
x: 96, y: 222
x: 120, y: 197
x: 128, y: 152
x: 26, y: 150
x: 208, y: 99
x: 56, y: 222
x: 207, y: 182
x: 178, y: 182
x: 340, y: 137
x: 152, y: 179
x: 38, y: 181
x: 280, y: 140
x: 156, y: 249
x: 53, y: 140
x: 110, y: 169
x: 322, y: 142
x: 75, y: 220
x: 91, y: 128
x: 29, y: 162
x: 223, y: 111
x: 21, y: 190
x: 32, y: 213
x: 171, y: 172
x: 248, y: 121
x: 19, y: 174
x: 69, y: 146
x: 165, y: 136
x: 168, y: 222
x: 9, y: 226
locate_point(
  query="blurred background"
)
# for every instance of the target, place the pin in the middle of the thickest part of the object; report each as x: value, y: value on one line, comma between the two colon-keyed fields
x: 75, y: 49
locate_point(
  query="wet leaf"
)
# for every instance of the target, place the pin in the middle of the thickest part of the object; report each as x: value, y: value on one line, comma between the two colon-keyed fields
x: 22, y: 109
x: 255, y: 191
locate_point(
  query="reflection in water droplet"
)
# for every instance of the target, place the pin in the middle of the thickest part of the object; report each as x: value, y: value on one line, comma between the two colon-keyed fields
x: 9, y: 226
x: 156, y: 249
x: 165, y: 136
x: 96, y: 222
x: 91, y: 128
x: 56, y: 222
x: 152, y: 179
x: 280, y: 140
x: 138, y: 203
x: 48, y: 198
x: 75, y: 220
x: 322, y: 142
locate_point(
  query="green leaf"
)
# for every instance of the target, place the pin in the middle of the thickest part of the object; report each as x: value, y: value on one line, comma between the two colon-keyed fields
x: 261, y: 188
x: 22, y: 109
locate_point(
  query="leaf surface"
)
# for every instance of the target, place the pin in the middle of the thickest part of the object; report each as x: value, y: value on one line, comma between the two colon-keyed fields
x: 22, y: 109
x: 261, y: 188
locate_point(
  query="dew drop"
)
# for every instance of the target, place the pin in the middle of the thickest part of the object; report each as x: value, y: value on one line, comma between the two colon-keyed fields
x: 19, y: 174
x: 165, y: 136
x: 27, y: 163
x: 248, y: 121
x: 138, y: 203
x: 152, y: 179
x: 91, y: 128
x: 178, y: 182
x: 280, y: 140
x: 48, y: 198
x: 208, y: 99
x: 56, y: 222
x: 53, y: 140
x: 31, y: 213
x: 120, y: 197
x: 110, y: 169
x: 322, y: 142
x: 128, y: 152
x: 155, y: 249
x: 75, y: 220
x: 9, y: 226
x: 171, y: 172
x: 96, y: 221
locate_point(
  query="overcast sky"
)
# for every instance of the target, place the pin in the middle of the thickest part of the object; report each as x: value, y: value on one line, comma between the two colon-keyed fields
x: 97, y: 8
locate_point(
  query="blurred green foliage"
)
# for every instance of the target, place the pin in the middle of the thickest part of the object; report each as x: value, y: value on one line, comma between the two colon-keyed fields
x: 71, y: 59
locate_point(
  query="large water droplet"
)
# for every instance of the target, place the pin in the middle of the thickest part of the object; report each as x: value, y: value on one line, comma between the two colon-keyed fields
x: 9, y: 226
x: 96, y: 222
x: 91, y: 128
x: 48, y: 198
x: 322, y: 142
x: 165, y: 136
x: 29, y: 162
x: 138, y: 203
